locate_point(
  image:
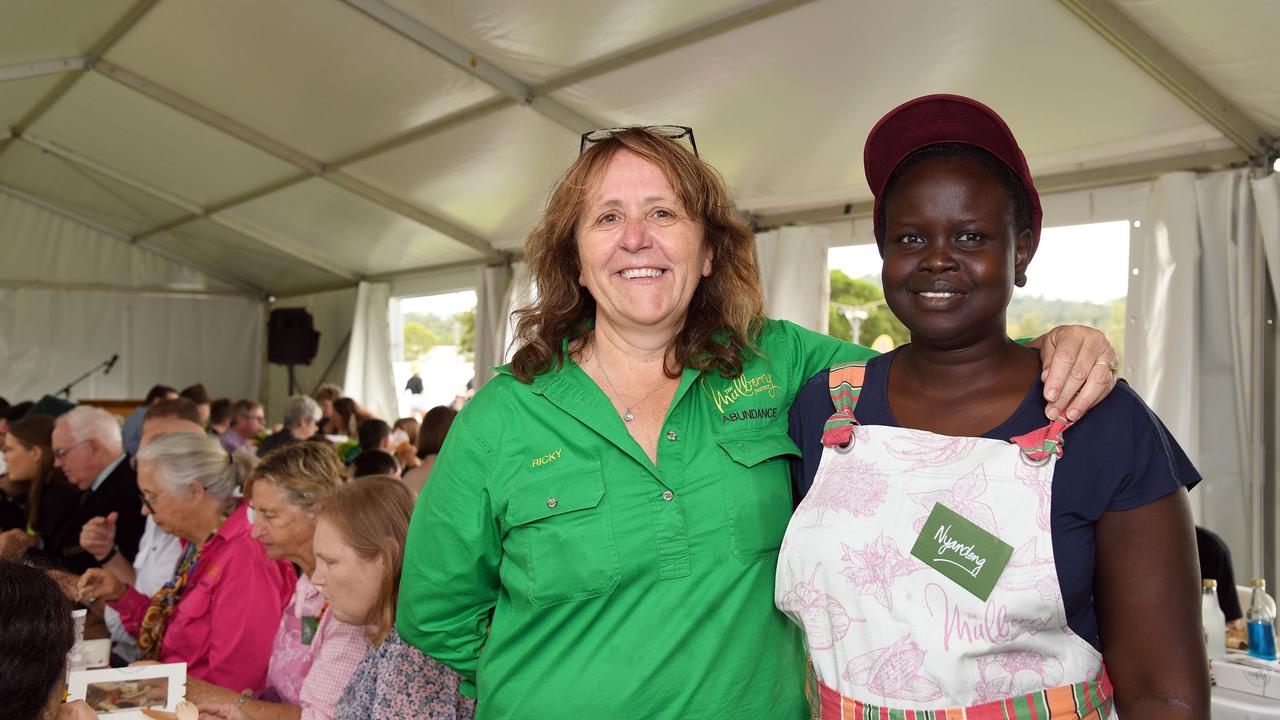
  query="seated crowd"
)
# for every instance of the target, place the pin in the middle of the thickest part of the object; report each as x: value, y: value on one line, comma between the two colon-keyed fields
x: 267, y: 561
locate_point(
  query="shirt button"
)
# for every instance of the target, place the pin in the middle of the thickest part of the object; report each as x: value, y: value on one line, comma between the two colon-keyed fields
x: 668, y: 496
x: 552, y: 502
x: 671, y: 435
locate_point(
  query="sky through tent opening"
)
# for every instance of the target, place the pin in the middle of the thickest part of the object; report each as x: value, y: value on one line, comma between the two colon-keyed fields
x: 434, y: 334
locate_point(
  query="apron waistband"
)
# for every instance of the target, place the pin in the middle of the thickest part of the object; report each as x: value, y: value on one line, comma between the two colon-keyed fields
x: 1088, y: 700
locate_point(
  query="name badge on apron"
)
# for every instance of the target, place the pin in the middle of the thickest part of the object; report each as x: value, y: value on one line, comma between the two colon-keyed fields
x: 310, y: 624
x: 962, y: 551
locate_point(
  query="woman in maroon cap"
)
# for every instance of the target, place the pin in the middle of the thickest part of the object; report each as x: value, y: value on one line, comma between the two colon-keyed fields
x: 948, y: 557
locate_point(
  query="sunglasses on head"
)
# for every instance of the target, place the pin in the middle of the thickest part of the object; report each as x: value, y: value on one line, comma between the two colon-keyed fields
x: 672, y: 132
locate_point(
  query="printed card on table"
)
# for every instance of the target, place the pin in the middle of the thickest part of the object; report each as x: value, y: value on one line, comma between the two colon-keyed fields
x: 124, y: 692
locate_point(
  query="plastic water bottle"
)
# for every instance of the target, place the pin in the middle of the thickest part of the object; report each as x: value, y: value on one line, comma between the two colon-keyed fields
x: 1262, y: 623
x: 1215, y: 623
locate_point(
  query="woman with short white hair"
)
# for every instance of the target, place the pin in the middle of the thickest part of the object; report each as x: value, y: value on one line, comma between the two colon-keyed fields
x: 301, y: 422
x: 219, y: 612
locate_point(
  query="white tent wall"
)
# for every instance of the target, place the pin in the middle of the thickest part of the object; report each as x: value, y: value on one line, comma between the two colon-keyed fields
x: 72, y: 296
x: 41, y: 247
x: 793, y: 273
x: 49, y: 337
x: 332, y: 313
x: 1191, y: 339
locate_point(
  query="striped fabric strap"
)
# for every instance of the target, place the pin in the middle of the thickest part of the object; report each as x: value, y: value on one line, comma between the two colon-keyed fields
x: 1040, y: 445
x: 845, y: 383
x: 1088, y: 700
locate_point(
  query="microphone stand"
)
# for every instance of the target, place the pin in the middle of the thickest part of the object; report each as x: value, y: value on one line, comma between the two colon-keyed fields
x: 65, y: 392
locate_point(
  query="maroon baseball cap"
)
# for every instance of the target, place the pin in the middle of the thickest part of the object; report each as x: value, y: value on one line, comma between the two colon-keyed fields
x: 935, y: 119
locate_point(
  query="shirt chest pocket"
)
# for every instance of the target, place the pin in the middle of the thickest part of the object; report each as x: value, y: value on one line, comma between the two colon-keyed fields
x: 190, y: 626
x: 559, y: 545
x: 757, y: 489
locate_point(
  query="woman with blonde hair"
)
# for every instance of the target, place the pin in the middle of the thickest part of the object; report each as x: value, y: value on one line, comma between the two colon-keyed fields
x: 219, y: 612
x: 314, y: 652
x: 359, y: 548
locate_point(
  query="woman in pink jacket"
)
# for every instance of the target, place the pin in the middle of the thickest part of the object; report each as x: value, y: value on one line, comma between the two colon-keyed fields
x: 220, y: 610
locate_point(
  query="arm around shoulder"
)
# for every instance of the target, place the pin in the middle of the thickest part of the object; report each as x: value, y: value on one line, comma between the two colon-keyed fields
x: 812, y: 352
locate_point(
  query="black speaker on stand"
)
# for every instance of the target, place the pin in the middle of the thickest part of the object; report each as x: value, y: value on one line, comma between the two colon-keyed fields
x: 291, y: 340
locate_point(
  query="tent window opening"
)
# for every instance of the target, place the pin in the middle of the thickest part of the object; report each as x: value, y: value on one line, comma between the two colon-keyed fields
x: 1079, y: 275
x: 433, y: 338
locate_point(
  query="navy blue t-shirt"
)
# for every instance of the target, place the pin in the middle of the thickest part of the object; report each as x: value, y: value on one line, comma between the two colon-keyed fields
x: 1119, y: 456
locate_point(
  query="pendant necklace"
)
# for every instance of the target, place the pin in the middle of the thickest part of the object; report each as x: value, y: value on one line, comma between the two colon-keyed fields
x: 628, y: 415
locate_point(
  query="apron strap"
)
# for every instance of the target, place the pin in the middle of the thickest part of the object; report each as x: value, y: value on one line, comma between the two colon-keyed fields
x: 1038, y: 446
x: 845, y: 382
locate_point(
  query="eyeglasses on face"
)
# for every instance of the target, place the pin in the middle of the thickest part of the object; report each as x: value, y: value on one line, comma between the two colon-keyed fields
x: 673, y: 132
x: 62, y: 453
x: 148, y: 501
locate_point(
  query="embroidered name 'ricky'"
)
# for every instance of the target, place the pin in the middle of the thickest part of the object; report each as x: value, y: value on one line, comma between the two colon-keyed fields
x: 743, y: 386
x: 548, y: 458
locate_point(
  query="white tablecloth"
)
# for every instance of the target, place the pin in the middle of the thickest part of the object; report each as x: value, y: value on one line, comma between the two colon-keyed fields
x: 1233, y: 705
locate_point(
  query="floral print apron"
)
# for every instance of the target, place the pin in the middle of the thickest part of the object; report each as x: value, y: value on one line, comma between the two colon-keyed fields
x: 890, y: 636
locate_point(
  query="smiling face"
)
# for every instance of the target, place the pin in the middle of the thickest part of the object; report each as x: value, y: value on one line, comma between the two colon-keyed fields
x: 951, y: 251
x: 641, y: 255
x: 349, y: 582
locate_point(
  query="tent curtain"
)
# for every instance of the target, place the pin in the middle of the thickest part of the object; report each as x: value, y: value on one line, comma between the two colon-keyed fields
x: 492, y: 309
x: 522, y: 294
x: 1266, y: 194
x: 1190, y: 339
x: 369, y: 377
x: 793, y: 273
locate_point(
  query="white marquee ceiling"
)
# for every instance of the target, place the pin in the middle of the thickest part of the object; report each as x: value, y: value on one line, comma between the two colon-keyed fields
x: 291, y: 145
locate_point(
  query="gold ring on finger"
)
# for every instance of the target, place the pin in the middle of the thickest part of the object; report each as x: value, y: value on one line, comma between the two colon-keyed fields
x: 1110, y: 366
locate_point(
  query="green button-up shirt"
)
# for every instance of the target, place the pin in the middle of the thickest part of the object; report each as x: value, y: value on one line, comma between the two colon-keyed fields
x: 610, y: 587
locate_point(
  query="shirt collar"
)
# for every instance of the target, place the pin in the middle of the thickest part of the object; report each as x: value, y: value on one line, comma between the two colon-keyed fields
x: 106, y: 471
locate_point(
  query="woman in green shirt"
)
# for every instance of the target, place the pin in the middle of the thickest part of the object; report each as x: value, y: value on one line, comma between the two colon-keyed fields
x: 599, y: 535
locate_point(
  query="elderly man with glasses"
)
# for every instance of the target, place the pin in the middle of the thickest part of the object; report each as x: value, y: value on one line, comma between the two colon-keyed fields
x: 248, y: 422
x: 87, y: 447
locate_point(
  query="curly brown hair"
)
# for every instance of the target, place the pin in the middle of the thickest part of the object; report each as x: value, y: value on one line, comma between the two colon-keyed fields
x: 726, y: 311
